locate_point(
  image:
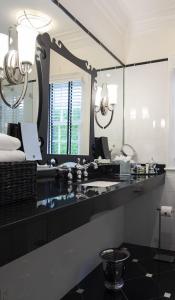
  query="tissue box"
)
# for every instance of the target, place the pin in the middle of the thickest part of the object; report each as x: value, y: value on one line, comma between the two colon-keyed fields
x: 125, y: 167
x: 17, y: 181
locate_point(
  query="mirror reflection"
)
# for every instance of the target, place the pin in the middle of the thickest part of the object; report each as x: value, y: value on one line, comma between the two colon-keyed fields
x: 69, y: 107
x: 69, y: 117
x: 27, y: 111
x: 114, y: 132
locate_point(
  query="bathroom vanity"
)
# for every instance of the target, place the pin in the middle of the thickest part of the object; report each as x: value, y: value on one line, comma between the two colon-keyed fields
x: 61, y: 207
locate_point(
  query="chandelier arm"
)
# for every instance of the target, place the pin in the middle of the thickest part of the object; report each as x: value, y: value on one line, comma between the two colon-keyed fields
x: 20, y: 99
x: 110, y: 108
x: 96, y: 109
x: 96, y: 119
x: 112, y: 115
x: 104, y: 127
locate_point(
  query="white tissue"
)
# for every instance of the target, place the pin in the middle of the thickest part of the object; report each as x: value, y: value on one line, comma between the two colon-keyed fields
x: 11, y: 156
x: 166, y: 211
x: 8, y: 142
x: 122, y: 158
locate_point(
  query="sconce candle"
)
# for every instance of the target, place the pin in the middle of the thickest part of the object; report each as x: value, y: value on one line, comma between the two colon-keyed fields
x: 106, y: 98
x: 26, y: 44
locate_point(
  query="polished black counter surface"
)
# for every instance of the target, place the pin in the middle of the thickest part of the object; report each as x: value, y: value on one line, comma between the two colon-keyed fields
x: 60, y: 208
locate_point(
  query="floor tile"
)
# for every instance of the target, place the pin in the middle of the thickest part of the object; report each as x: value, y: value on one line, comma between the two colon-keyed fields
x: 167, y: 295
x: 140, y: 252
x: 157, y: 267
x: 141, y: 289
x: 133, y: 270
x: 145, y: 255
x: 96, y: 295
x: 166, y: 284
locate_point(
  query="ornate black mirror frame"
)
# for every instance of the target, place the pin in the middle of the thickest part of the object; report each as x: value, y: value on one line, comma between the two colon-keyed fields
x: 43, y: 67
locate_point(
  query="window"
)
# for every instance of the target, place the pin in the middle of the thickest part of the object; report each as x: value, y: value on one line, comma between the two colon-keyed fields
x: 65, y: 117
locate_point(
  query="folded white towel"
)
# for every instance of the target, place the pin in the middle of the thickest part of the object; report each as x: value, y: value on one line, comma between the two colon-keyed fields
x: 11, y: 156
x: 8, y: 142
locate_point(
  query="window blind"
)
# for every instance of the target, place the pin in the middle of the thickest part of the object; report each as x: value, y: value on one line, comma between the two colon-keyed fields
x: 65, y: 117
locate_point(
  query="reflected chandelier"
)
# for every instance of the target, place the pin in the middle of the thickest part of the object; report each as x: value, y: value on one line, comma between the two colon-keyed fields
x: 16, y: 64
x: 106, y: 99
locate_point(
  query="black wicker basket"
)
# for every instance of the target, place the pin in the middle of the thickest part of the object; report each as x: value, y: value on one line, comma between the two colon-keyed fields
x: 17, y: 181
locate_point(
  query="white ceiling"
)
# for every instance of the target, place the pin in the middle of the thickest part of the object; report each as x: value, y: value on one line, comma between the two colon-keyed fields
x: 126, y: 17
x: 140, y: 10
x: 132, y: 16
x: 138, y: 16
x: 10, y: 8
x: 75, y: 39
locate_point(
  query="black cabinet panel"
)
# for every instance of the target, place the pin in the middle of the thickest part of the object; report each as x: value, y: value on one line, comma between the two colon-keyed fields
x: 6, y: 250
x: 27, y: 226
x: 67, y: 220
x: 22, y: 239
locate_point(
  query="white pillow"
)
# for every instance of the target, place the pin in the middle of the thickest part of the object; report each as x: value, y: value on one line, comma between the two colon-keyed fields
x: 12, y: 155
x: 8, y: 142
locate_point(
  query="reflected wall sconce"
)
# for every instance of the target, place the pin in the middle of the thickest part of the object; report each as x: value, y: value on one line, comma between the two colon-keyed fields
x: 16, y: 64
x: 106, y: 99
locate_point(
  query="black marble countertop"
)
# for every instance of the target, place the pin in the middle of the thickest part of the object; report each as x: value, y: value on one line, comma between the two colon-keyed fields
x: 60, y: 208
x: 53, y: 194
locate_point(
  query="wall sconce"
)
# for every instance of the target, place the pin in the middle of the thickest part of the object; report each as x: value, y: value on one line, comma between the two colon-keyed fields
x: 16, y: 64
x: 106, y: 99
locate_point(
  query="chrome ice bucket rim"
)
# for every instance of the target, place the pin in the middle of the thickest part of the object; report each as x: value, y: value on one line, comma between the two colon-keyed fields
x: 108, y: 255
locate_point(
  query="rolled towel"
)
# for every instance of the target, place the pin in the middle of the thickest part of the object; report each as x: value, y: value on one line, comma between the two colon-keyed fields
x: 8, y: 142
x: 12, y: 156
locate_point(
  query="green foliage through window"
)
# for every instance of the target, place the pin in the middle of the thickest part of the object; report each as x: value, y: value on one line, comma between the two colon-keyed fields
x: 65, y: 117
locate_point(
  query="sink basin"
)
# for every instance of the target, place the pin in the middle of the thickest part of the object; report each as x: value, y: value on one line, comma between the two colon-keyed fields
x: 100, y: 183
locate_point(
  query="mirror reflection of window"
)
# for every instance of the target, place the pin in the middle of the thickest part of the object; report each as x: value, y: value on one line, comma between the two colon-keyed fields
x: 69, y: 108
x: 65, y: 117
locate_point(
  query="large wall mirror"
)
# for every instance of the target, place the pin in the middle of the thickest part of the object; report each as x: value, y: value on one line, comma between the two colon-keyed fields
x: 64, y: 76
x: 67, y: 90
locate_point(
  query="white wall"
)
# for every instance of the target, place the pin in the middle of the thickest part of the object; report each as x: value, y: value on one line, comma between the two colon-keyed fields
x: 147, y: 111
x: 142, y: 211
x: 153, y: 44
x: 51, y: 271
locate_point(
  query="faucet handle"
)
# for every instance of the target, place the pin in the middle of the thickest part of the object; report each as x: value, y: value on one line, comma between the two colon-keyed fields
x: 84, y: 161
x: 79, y: 174
x: 78, y: 165
x: 52, y: 162
x: 95, y: 165
x: 85, y: 173
x: 69, y: 175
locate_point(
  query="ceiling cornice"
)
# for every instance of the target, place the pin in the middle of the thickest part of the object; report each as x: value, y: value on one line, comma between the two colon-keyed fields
x: 116, y: 17
x: 118, y: 14
x: 152, y: 24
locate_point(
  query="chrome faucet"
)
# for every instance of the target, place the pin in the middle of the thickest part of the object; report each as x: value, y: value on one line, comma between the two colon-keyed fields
x: 79, y: 168
x: 84, y: 167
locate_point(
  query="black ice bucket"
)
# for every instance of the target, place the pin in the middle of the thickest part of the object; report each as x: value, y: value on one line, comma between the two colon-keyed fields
x: 114, y: 265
